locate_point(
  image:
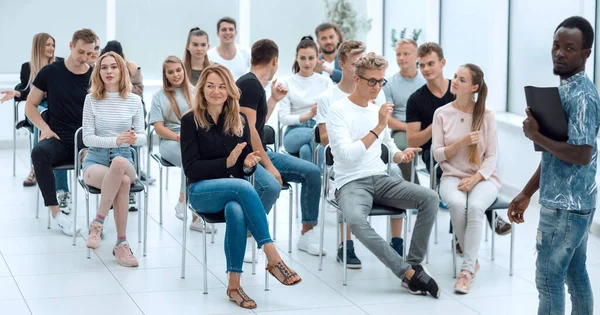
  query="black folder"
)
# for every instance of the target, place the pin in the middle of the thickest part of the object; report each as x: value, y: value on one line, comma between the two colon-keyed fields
x: 546, y: 107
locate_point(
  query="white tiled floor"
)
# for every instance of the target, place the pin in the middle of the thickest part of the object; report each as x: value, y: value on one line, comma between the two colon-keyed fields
x: 42, y: 273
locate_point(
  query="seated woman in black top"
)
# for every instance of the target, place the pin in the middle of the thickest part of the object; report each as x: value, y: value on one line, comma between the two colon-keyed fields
x: 216, y: 158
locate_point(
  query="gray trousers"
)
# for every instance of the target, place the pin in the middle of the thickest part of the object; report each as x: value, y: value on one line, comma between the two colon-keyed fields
x: 171, y: 151
x: 356, y: 200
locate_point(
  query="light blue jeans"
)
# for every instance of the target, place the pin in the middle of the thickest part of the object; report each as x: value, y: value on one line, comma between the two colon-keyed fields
x: 561, y: 244
x: 61, y: 179
x: 298, y: 140
x: 243, y: 212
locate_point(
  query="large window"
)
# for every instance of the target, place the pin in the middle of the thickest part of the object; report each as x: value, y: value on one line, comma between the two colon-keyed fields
x: 156, y: 29
x: 476, y: 32
x: 532, y: 25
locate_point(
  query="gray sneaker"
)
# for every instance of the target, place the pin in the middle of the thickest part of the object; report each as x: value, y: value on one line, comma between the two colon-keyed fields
x: 64, y: 201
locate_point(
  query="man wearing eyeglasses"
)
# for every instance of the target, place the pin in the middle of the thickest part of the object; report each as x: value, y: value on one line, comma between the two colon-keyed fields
x: 357, y: 129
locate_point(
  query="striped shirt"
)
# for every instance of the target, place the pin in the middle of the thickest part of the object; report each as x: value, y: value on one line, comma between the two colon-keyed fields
x: 104, y: 120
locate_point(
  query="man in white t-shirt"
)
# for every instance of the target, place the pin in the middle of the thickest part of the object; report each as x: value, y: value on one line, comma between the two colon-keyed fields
x: 357, y: 129
x: 233, y: 56
x: 348, y: 52
x: 329, y: 37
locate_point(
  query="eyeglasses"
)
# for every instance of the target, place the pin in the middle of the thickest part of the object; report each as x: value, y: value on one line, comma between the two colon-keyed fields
x: 371, y: 82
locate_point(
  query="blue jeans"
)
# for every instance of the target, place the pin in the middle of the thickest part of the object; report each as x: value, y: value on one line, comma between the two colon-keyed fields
x: 298, y: 140
x: 295, y: 170
x: 61, y: 179
x: 267, y: 187
x: 561, y: 244
x: 243, y: 212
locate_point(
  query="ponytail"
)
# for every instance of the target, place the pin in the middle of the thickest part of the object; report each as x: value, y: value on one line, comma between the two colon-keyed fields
x: 478, y: 110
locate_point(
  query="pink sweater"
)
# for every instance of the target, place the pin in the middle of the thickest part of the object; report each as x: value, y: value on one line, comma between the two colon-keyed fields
x: 451, y: 124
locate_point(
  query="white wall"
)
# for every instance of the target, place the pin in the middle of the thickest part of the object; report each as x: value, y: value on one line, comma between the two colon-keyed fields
x: 532, y: 28
x: 476, y: 32
x: 60, y: 18
x: 151, y: 30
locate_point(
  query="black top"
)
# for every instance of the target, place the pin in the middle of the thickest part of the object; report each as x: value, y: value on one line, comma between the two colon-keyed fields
x: 204, y: 153
x: 421, y: 106
x: 23, y: 86
x: 253, y: 96
x: 66, y: 93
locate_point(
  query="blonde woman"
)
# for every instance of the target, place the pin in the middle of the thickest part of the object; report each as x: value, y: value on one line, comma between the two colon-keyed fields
x: 42, y: 53
x: 465, y: 142
x: 168, y: 105
x: 109, y: 112
x: 217, y: 156
x: 195, y: 58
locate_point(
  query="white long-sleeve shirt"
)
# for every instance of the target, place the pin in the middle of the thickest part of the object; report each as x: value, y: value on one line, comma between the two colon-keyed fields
x: 347, y: 123
x: 303, y: 93
x: 104, y: 120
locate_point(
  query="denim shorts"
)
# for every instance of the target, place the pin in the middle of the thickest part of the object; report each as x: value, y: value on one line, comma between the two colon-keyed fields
x: 104, y: 156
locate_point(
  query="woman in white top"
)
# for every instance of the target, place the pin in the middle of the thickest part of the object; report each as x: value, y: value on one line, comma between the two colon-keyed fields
x: 168, y: 105
x: 109, y: 112
x: 298, y: 108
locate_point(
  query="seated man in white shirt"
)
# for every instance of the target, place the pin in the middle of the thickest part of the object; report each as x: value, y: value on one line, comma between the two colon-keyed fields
x: 233, y: 56
x: 348, y: 52
x: 357, y: 128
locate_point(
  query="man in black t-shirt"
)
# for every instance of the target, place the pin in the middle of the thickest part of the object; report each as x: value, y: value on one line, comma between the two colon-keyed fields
x: 65, y: 84
x: 277, y: 168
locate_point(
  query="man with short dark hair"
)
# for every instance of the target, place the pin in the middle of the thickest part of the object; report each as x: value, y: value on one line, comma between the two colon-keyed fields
x: 329, y: 37
x: 276, y: 168
x: 233, y: 56
x: 65, y: 84
x: 566, y: 178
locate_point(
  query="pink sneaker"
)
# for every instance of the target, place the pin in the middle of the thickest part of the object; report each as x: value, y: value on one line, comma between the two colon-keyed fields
x: 463, y: 284
x: 93, y: 240
x: 124, y: 255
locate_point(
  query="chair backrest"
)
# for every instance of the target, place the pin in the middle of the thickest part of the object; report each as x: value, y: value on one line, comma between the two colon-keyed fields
x: 269, y: 135
x: 317, y: 134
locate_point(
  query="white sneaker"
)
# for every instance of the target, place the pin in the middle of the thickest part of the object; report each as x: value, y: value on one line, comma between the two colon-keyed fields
x: 248, y: 254
x: 309, y: 242
x: 179, y: 210
x: 65, y: 223
x: 197, y: 226
x: 64, y: 201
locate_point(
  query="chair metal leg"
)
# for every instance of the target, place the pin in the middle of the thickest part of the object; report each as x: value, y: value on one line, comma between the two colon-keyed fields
x: 74, y: 188
x: 87, y: 219
x: 160, y: 193
x: 493, y: 236
x: 344, y: 253
x: 435, y: 228
x: 405, y: 232
x: 49, y: 216
x: 146, y: 220
x: 512, y: 247
x: 37, y: 206
x: 297, y: 199
x: 184, y: 241
x: 266, y: 277
x: 253, y: 244
x: 453, y: 255
x: 167, y: 178
x: 212, y: 236
x: 486, y: 231
x: 139, y: 202
x: 204, y: 258
x: 322, y: 230
x: 15, y: 117
x: 291, y: 212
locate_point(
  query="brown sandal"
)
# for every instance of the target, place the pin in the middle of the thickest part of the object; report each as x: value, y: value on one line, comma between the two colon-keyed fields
x: 30, y: 180
x: 246, y: 301
x: 285, y: 271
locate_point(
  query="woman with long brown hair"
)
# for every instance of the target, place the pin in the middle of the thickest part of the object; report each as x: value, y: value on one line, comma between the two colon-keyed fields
x: 109, y: 111
x: 465, y: 142
x: 194, y: 57
x: 42, y: 53
x: 217, y: 156
x: 168, y: 105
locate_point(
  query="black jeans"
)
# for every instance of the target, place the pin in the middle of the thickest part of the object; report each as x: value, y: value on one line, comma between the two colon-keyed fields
x: 427, y: 160
x: 45, y: 155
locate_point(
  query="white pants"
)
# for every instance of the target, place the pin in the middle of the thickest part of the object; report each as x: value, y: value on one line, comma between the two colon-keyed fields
x: 467, y: 211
